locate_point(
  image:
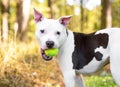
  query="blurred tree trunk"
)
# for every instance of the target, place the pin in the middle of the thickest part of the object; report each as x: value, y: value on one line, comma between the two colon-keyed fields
x: 19, y: 16
x: 106, y: 16
x: 0, y: 20
x: 23, y: 9
x: 50, y: 5
x: 5, y: 21
x: 82, y: 16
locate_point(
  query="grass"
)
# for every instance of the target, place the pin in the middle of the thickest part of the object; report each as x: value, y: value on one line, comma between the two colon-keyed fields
x: 100, y: 81
x: 21, y: 66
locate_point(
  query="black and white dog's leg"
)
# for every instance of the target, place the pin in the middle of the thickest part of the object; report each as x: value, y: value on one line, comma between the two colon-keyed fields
x: 71, y: 79
x: 115, y: 60
x: 115, y: 68
x: 79, y: 80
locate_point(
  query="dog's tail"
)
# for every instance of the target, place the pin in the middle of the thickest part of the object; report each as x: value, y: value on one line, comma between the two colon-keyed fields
x: 79, y: 80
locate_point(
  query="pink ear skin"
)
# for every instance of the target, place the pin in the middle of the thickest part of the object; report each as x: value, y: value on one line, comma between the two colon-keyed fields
x: 65, y: 20
x: 38, y: 16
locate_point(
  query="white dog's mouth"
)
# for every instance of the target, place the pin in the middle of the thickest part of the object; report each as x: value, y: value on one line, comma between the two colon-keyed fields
x: 44, y: 56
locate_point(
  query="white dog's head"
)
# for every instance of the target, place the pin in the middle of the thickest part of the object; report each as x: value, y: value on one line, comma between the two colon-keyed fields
x: 50, y: 33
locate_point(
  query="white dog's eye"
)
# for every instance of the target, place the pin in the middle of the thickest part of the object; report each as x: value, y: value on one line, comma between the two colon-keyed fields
x: 58, y: 33
x: 42, y: 31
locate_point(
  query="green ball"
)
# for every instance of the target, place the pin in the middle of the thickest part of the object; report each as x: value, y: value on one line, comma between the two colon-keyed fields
x: 51, y: 52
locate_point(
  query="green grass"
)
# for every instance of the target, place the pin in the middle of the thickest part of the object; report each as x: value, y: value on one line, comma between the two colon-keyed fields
x: 22, y: 66
x: 100, y: 81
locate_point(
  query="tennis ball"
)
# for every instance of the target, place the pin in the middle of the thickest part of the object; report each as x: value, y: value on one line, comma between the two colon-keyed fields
x: 51, y: 52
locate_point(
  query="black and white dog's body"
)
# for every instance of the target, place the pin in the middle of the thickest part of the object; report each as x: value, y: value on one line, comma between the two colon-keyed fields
x: 81, y: 53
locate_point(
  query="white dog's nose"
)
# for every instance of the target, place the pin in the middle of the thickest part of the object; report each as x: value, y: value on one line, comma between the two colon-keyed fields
x: 49, y: 44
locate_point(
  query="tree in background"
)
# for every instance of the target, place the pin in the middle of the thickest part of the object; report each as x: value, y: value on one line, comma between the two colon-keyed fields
x: 5, y: 19
x: 116, y: 13
x: 0, y: 19
x: 23, y: 9
x: 82, y: 16
x: 106, y: 16
x: 50, y: 5
x: 17, y: 12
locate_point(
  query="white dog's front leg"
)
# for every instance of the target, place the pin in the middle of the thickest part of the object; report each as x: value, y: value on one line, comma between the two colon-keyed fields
x: 72, y: 80
x: 69, y: 78
x: 67, y: 71
x: 69, y: 74
x: 79, y: 80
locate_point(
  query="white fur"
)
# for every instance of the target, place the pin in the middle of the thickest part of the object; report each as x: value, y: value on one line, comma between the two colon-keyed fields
x: 51, y: 27
x: 111, y: 51
x: 66, y: 64
x: 114, y: 46
x: 95, y: 65
x: 66, y: 47
x: 92, y: 67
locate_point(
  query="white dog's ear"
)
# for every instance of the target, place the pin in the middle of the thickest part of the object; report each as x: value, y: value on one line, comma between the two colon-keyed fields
x: 65, y: 20
x: 38, y: 16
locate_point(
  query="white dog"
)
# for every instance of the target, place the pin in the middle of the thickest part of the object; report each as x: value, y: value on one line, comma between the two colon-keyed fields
x: 81, y: 53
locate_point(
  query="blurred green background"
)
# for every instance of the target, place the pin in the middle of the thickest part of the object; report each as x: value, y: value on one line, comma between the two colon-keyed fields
x: 20, y: 61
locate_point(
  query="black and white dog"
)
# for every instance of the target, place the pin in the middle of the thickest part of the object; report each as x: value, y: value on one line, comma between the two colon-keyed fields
x: 81, y: 53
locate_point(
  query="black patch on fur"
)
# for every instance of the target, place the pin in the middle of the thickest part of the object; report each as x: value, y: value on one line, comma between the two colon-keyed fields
x: 98, y: 56
x: 85, y: 44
